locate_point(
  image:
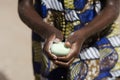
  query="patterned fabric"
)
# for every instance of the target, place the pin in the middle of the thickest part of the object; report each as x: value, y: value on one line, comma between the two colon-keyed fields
x: 98, y: 61
x: 68, y: 15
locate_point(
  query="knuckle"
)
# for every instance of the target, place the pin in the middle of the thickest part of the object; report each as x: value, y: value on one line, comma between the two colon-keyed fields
x: 67, y: 64
x: 67, y: 58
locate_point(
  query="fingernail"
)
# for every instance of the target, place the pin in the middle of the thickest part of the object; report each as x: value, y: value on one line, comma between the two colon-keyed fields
x: 67, y: 44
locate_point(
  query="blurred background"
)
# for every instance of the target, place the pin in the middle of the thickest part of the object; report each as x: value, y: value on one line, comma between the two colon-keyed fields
x: 15, y: 44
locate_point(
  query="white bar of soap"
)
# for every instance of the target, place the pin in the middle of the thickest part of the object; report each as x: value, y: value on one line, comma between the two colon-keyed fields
x: 59, y: 49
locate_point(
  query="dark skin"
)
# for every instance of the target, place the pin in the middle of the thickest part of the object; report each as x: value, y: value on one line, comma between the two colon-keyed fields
x: 30, y: 17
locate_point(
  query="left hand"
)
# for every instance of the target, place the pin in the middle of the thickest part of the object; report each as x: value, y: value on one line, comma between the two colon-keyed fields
x: 75, y: 42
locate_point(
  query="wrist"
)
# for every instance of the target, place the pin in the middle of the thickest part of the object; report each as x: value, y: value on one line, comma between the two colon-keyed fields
x: 82, y: 35
x: 53, y: 31
x: 86, y: 32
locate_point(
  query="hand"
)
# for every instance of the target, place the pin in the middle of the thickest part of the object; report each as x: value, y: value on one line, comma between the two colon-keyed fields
x: 48, y: 42
x: 75, y: 42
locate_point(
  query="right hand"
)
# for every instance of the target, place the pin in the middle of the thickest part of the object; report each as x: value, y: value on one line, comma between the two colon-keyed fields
x: 49, y: 41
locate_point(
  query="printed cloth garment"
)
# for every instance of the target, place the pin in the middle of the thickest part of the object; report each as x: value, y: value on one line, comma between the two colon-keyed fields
x: 99, y: 58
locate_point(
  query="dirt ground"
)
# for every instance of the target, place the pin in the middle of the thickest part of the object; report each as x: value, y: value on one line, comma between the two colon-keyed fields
x: 15, y: 44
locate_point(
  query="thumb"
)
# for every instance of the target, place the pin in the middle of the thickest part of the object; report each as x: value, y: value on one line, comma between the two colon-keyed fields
x: 68, y: 44
x: 57, y: 40
x: 70, y: 40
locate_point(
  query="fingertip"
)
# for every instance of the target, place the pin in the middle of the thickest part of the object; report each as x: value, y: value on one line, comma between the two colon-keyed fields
x: 67, y: 44
x: 54, y: 57
x: 56, y: 61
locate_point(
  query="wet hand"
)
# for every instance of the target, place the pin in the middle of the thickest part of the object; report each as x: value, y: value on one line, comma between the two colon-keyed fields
x: 46, y: 49
x: 75, y: 42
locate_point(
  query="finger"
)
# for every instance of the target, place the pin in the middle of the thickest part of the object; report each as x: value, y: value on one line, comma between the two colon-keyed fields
x: 67, y: 44
x: 56, y: 40
x: 70, y: 55
x: 64, y: 64
x: 74, y: 51
x: 47, y: 46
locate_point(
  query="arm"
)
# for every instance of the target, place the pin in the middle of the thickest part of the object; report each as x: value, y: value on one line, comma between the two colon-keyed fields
x: 104, y: 18
x: 109, y: 13
x: 31, y: 18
